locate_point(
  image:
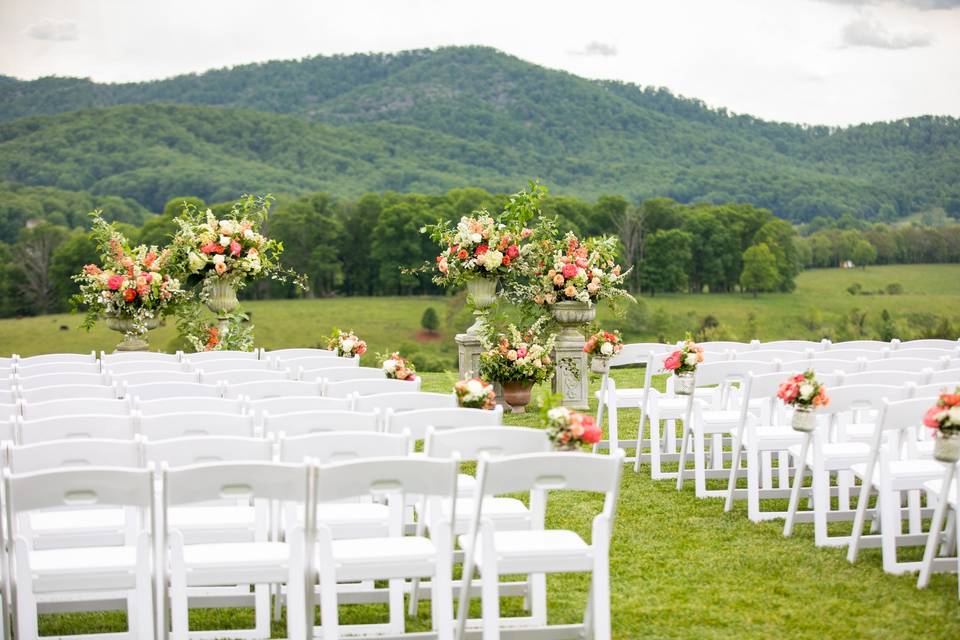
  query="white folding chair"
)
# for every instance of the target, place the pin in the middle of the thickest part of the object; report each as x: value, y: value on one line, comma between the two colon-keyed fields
x: 339, y: 374
x: 393, y: 557
x: 404, y: 401
x: 862, y: 345
x: 75, y: 406
x: 67, y: 391
x: 293, y: 403
x: 904, y: 364
x: 792, y: 345
x: 219, y: 366
x: 772, y: 355
x: 832, y: 364
x: 55, y: 357
x: 320, y: 421
x: 56, y: 379
x: 885, y: 377
x: 105, y: 571
x: 538, y: 550
x: 312, y: 364
x: 825, y: 452
x: 153, y: 377
x: 46, y: 368
x: 727, y: 345
x: 75, y: 426
x: 890, y: 473
x: 9, y: 396
x: 260, y: 562
x: 197, y: 359
x: 190, y: 404
x: 169, y: 390
x: 944, y: 376
x: 933, y: 354
x: 418, y: 421
x: 299, y: 353
x: 946, y: 492
x: 851, y: 354
x: 273, y: 389
x: 163, y: 426
x: 122, y: 357
x: 242, y: 376
x: 349, y: 388
x: 124, y: 367
x: 928, y: 343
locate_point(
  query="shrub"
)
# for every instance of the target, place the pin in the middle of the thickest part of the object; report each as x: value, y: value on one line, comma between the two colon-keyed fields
x: 894, y: 288
x: 854, y: 289
x: 430, y: 321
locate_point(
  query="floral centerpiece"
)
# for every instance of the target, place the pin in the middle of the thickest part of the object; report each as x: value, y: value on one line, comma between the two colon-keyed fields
x: 346, y: 344
x: 568, y: 430
x: 579, y: 271
x: 131, y: 287
x: 804, y: 394
x: 396, y: 367
x: 517, y: 360
x: 682, y: 363
x: 602, y: 346
x: 474, y: 393
x: 944, y: 419
x: 232, y: 332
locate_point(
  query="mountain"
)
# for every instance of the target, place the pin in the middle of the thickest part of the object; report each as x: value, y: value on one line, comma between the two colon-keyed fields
x: 429, y: 120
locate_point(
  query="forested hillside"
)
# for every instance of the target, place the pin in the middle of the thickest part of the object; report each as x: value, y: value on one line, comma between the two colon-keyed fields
x: 427, y: 121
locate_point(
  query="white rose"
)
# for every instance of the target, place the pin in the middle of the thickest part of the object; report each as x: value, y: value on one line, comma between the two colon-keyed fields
x: 475, y: 387
x: 492, y: 259
x: 347, y: 345
x: 606, y: 348
x: 558, y: 413
x: 596, y: 272
x: 248, y: 234
x: 227, y: 226
x: 224, y: 241
x: 196, y: 260
x: 390, y: 366
x: 476, y: 238
x: 691, y: 359
x: 806, y: 390
x: 219, y: 259
x: 954, y: 415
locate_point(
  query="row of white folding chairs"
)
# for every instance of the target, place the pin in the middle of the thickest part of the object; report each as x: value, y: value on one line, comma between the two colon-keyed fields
x: 16, y: 361
x: 827, y: 345
x: 271, y: 562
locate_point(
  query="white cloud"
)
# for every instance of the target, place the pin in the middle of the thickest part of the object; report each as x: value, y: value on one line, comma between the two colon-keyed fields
x: 596, y: 48
x: 923, y: 5
x: 864, y: 32
x: 55, y: 30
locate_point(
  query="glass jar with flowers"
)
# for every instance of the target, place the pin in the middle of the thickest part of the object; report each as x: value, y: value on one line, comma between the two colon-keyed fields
x: 601, y: 347
x: 682, y: 363
x: 396, y: 367
x: 474, y: 393
x: 944, y: 419
x: 804, y: 394
x: 346, y: 344
x: 567, y: 429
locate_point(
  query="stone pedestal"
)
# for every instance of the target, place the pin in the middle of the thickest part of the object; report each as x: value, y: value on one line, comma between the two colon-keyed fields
x: 570, y: 379
x: 468, y: 347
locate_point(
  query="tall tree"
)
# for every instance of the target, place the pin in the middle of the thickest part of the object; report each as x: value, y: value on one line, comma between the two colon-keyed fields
x: 667, y: 262
x: 33, y: 254
x: 759, y: 269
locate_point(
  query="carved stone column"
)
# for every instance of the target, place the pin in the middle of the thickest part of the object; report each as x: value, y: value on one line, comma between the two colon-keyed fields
x: 570, y: 379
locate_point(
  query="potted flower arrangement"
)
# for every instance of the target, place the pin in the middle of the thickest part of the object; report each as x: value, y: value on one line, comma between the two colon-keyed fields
x: 944, y: 419
x: 225, y: 254
x: 482, y: 248
x: 804, y: 394
x: 602, y: 346
x: 474, y: 393
x: 396, y: 367
x: 682, y: 363
x: 346, y: 344
x: 131, y: 288
x: 517, y: 360
x: 568, y: 430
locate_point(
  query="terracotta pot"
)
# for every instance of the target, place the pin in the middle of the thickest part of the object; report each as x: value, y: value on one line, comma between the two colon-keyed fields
x: 132, y: 341
x: 517, y: 395
x: 481, y: 294
x: 946, y: 447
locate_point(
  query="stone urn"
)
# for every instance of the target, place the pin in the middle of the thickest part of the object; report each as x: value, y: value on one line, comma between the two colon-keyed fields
x: 481, y: 294
x: 222, y: 299
x: 570, y: 379
x: 132, y: 340
x: 946, y: 446
x: 517, y: 394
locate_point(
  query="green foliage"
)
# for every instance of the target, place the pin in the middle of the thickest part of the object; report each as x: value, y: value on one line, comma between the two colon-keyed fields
x: 667, y: 260
x: 863, y: 253
x: 430, y: 321
x: 759, y: 269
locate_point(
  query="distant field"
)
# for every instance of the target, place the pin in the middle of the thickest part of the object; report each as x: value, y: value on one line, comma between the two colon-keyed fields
x: 394, y: 323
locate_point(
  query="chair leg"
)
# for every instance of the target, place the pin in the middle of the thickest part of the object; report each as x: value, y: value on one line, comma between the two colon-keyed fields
x: 656, y: 448
x: 683, y: 456
x: 490, y: 604
x: 821, y: 504
x: 261, y: 610
x: 538, y: 598
x: 933, y: 537
x: 395, y: 595
x: 858, y: 521
x: 140, y: 621
x: 890, y: 527
x: 329, y: 617
x: 600, y: 600
x: 26, y: 602
x: 699, y: 464
x: 734, y: 468
x: 753, y: 484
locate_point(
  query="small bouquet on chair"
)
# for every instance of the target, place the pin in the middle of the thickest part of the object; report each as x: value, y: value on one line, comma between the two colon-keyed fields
x: 682, y: 363
x: 346, y: 344
x: 602, y: 346
x: 804, y: 394
x: 396, y: 367
x: 568, y: 430
x: 475, y: 393
x: 944, y: 419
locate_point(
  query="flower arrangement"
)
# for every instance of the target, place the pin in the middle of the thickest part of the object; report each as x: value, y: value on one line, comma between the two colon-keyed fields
x: 130, y: 284
x: 603, y: 344
x: 803, y: 391
x: 944, y: 417
x: 397, y: 367
x: 685, y: 359
x: 518, y: 356
x: 346, y: 344
x: 481, y: 245
x: 233, y: 333
x: 567, y: 429
x: 230, y: 250
x: 474, y: 393
x: 575, y: 270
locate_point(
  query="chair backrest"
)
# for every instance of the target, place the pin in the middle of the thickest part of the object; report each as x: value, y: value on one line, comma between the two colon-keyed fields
x: 824, y: 364
x: 638, y: 353
x: 846, y: 398
x: 241, y: 376
x: 152, y: 377
x: 339, y: 374
x: 235, y: 480
x: 44, y: 368
x: 9, y: 396
x: 405, y: 401
x: 929, y: 343
x: 286, y: 355
x: 417, y: 421
x: 8, y: 429
x: 123, y: 367
x: 770, y: 355
x: 388, y: 476
x: 322, y: 421
x: 56, y: 357
x: 181, y: 452
x: 211, y: 356
x: 308, y: 364
x: 92, y: 452
x: 550, y: 471
x: 904, y: 414
x: 272, y: 389
x: 935, y: 389
x: 885, y: 377
x: 791, y: 345
x: 902, y: 364
x: 68, y: 391
x: 711, y: 373
x: 55, y: 379
x: 171, y: 390
x: 766, y: 385
x: 85, y: 486
x: 110, y: 359
x: 868, y: 345
x: 70, y: 426
x: 75, y: 406
x: 470, y: 443
x: 163, y: 426
x: 726, y: 345
x: 945, y: 375
x: 190, y: 404
x: 296, y: 404
x: 325, y: 448
x: 348, y: 388
x: 219, y: 366
x: 932, y: 353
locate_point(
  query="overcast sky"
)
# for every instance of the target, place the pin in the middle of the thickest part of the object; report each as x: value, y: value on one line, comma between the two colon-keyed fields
x: 815, y: 61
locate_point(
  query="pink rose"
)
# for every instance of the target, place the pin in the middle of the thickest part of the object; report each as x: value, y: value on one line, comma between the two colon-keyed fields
x: 672, y: 361
x: 115, y: 282
x: 521, y: 352
x: 235, y: 248
x: 526, y: 233
x: 513, y: 251
x: 569, y: 270
x: 930, y: 418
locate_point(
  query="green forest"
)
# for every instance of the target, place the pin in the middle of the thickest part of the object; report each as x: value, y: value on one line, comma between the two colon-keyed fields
x: 428, y: 121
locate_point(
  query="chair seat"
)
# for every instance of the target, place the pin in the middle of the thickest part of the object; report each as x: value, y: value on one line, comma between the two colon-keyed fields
x: 784, y: 437
x: 384, y: 557
x: 236, y: 563
x: 936, y: 487
x: 506, y: 513
x: 838, y: 455
x: 211, y: 517
x: 550, y: 550
x: 917, y: 471
x: 103, y: 568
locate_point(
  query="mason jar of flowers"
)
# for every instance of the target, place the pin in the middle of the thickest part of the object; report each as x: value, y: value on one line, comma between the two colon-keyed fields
x: 517, y: 360
x: 396, y: 367
x: 944, y: 419
x: 474, y: 393
x: 601, y: 347
x: 568, y: 430
x: 682, y: 363
x: 804, y: 394
x: 346, y: 344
